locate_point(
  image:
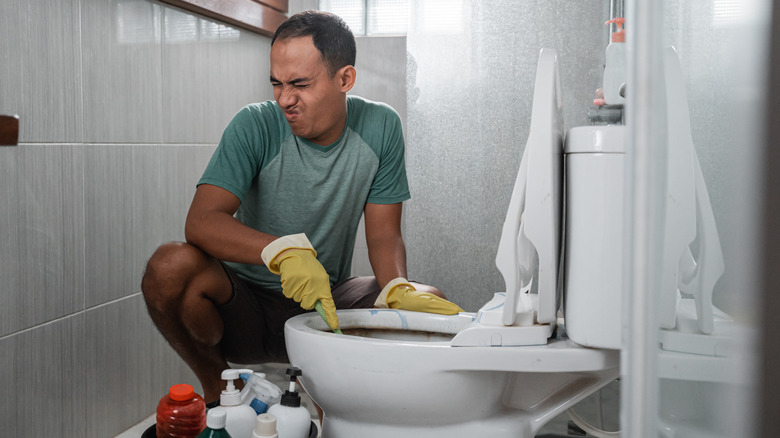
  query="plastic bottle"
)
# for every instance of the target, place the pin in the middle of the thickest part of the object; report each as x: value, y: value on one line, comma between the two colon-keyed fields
x: 240, y: 417
x: 292, y: 419
x: 215, y: 425
x: 615, y: 68
x: 265, y: 426
x: 259, y: 393
x: 181, y: 413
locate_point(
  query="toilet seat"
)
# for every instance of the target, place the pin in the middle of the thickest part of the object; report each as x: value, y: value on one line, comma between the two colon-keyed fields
x: 558, y: 355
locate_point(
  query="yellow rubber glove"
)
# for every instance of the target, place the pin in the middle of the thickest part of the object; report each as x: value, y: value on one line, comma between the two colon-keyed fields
x: 304, y: 279
x: 400, y: 294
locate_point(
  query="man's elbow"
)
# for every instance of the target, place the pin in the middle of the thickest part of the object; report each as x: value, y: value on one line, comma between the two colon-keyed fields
x: 192, y: 230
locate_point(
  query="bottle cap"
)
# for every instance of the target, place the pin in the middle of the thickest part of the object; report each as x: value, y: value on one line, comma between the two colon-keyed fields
x: 291, y: 397
x: 620, y: 35
x: 181, y: 392
x: 265, y: 425
x: 230, y: 395
x: 216, y: 419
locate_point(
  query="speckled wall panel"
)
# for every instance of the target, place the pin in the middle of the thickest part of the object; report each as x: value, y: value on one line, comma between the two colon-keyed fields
x: 470, y: 87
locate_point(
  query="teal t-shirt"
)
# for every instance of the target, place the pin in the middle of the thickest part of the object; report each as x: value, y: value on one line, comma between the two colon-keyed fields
x: 288, y: 185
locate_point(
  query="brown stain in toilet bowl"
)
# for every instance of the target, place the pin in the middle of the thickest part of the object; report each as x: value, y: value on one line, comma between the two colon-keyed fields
x: 394, y: 334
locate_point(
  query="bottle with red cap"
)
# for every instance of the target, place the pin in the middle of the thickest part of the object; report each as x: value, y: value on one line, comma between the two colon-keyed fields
x: 181, y: 413
x: 615, y: 66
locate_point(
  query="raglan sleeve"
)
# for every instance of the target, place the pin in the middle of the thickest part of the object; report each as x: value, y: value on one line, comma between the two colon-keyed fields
x: 390, y: 184
x: 236, y: 161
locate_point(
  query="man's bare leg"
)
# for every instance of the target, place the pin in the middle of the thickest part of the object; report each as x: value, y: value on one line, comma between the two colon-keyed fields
x: 182, y: 287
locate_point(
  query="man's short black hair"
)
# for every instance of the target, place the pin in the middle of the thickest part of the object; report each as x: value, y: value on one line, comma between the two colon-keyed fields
x: 330, y: 34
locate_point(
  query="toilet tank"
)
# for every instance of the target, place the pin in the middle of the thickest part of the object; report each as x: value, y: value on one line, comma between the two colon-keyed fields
x: 594, y: 157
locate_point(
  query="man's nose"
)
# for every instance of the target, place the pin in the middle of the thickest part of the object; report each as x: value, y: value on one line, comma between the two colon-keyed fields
x: 286, y: 97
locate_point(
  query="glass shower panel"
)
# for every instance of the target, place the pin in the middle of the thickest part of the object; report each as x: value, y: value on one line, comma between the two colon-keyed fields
x: 703, y: 382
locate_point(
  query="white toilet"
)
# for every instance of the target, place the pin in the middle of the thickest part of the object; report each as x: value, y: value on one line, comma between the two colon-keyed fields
x: 505, y: 371
x: 502, y: 372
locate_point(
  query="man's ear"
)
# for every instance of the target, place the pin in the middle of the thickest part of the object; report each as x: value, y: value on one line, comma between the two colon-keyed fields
x: 346, y: 76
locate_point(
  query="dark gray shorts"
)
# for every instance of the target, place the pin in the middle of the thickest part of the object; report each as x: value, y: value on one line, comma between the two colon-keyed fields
x: 254, y: 318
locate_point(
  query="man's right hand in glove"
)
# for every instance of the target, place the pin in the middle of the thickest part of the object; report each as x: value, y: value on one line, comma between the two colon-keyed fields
x: 304, y: 279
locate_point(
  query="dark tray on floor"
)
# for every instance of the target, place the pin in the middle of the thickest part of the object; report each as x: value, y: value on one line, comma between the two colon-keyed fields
x: 151, y: 432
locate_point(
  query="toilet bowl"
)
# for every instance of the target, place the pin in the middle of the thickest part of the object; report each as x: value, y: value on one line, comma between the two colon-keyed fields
x: 395, y: 373
x: 502, y: 372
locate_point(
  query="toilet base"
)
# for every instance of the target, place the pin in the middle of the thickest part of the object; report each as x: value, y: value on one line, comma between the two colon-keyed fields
x: 506, y: 424
x: 518, y: 421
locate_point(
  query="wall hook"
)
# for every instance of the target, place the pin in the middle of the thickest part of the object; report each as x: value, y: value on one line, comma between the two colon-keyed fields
x: 9, y: 130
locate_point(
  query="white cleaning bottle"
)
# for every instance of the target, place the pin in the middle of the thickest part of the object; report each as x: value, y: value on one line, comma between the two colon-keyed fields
x: 615, y: 68
x: 292, y: 419
x: 265, y: 427
x: 240, y: 421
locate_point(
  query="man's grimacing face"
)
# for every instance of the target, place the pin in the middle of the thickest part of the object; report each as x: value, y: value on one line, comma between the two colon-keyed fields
x: 312, y: 101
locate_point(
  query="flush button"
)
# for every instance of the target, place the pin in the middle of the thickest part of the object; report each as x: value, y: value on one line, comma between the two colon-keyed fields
x: 495, y: 340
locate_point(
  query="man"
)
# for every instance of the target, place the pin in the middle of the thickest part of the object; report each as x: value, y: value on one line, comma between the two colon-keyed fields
x: 297, y: 174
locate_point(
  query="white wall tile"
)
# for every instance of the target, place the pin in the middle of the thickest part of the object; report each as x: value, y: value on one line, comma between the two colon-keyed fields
x: 295, y: 6
x: 41, y: 71
x: 360, y: 264
x: 43, y: 379
x: 382, y: 78
x: 12, y: 54
x: 41, y: 259
x: 136, y: 198
x: 122, y: 71
x: 129, y: 365
x: 210, y: 71
x: 52, y: 71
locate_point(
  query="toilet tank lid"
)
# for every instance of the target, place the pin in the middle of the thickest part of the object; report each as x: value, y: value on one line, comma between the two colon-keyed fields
x: 601, y: 139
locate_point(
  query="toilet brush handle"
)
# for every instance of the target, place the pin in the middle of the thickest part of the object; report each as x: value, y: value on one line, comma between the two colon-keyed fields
x: 321, y: 311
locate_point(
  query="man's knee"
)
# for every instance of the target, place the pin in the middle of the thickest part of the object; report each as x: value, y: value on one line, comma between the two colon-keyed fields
x: 168, y: 271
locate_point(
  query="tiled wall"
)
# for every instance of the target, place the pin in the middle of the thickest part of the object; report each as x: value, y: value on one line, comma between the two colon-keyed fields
x: 121, y: 103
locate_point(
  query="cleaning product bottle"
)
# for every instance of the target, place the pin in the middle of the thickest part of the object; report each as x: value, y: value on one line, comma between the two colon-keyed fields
x: 265, y: 427
x: 240, y: 418
x: 259, y: 393
x: 181, y: 413
x: 615, y: 68
x: 215, y: 425
x: 292, y: 419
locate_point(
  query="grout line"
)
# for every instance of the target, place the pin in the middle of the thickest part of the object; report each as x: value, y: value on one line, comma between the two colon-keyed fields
x: 70, y: 315
x: 114, y: 301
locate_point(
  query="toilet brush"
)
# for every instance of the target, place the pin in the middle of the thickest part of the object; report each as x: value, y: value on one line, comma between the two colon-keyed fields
x: 321, y: 311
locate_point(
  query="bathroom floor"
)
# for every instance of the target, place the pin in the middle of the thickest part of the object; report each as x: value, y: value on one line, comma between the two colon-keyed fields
x: 591, y: 409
